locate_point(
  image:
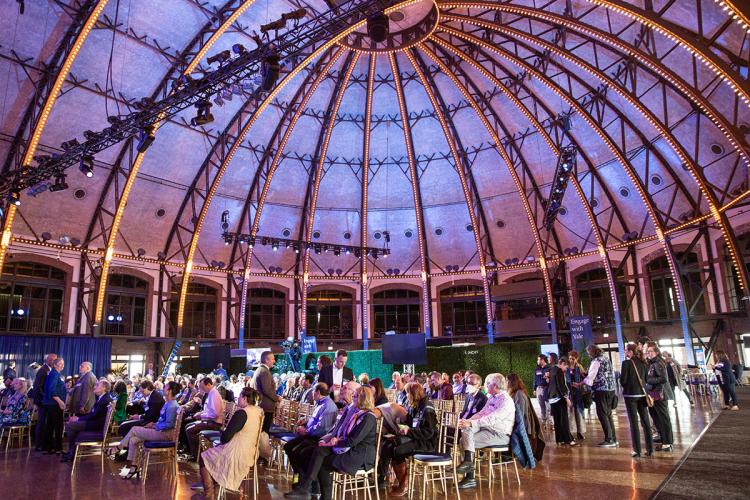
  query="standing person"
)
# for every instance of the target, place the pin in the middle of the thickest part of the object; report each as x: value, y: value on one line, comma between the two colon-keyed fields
x: 727, y: 381
x: 541, y: 385
x: 337, y: 374
x: 323, y: 362
x: 220, y: 372
x: 602, y: 380
x: 576, y: 373
x: 263, y: 383
x: 10, y: 371
x: 82, y: 398
x: 559, y: 400
x: 632, y: 380
x: 656, y: 380
x: 674, y: 371
x: 39, y: 380
x: 54, y: 406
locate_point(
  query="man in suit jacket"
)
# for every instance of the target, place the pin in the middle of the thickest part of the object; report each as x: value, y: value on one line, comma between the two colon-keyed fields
x: 264, y: 384
x: 39, y: 380
x: 475, y: 398
x: 153, y: 408
x: 93, y: 421
x: 83, y: 397
x: 337, y: 374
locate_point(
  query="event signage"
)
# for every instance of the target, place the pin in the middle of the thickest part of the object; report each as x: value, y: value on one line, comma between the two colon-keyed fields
x: 581, y: 334
x: 309, y: 344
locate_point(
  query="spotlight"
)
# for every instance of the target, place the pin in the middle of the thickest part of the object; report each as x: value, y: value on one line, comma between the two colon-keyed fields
x: 336, y: 251
x: 141, y: 252
x: 227, y: 239
x: 238, y: 49
x: 68, y: 145
x: 203, y: 114
x: 377, y: 27
x: 277, y: 25
x: 90, y: 135
x: 347, y: 251
x: 251, y: 242
x: 296, y: 249
x: 115, y: 121
x: 20, y: 311
x: 59, y: 185
x: 294, y: 15
x: 270, y: 72
x: 14, y: 197
x: 146, y: 138
x: 110, y: 317
x: 118, y: 318
x: 46, y: 236
x: 225, y: 220
x: 87, y: 166
x: 317, y: 249
x: 220, y: 58
x: 275, y: 246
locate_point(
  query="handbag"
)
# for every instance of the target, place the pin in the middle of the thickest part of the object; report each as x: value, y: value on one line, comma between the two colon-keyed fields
x: 649, y: 397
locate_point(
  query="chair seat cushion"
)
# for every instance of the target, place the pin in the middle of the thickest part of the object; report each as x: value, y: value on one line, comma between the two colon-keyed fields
x: 275, y: 429
x: 153, y: 445
x: 433, y: 457
x: 286, y: 437
x: 210, y: 435
x: 89, y: 437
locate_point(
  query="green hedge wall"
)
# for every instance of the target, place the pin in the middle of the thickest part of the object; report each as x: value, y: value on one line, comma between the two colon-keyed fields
x: 505, y: 357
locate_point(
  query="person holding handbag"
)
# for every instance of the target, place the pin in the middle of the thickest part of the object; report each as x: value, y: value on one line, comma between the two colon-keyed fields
x: 656, y: 379
x: 637, y: 401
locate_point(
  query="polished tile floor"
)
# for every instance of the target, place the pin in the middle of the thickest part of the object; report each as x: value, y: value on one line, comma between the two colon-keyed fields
x: 582, y: 472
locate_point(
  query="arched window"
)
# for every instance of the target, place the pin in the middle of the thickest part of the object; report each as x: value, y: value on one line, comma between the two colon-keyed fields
x: 330, y: 314
x: 463, y: 310
x: 595, y: 299
x: 125, y: 312
x: 398, y: 310
x: 199, y: 321
x: 265, y: 316
x: 663, y: 292
x: 31, y: 298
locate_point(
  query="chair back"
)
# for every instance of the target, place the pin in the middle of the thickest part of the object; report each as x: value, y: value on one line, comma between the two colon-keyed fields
x: 444, y: 404
x: 177, y: 426
x: 449, y: 443
x: 108, y: 421
x: 281, y: 410
x: 379, y: 438
x: 305, y: 411
x: 229, y: 409
x: 291, y: 414
x: 458, y: 401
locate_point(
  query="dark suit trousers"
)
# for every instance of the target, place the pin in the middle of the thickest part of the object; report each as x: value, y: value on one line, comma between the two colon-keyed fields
x: 604, y: 400
x: 72, y: 429
x: 637, y: 409
x: 660, y: 414
x: 559, y: 410
x: 192, y: 431
x: 53, y: 428
x: 299, y: 450
x: 41, y: 425
x: 267, y: 421
x: 312, y: 470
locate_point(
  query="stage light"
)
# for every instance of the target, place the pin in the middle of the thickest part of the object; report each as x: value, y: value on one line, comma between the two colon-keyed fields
x: 377, y: 27
x: 275, y: 246
x: 238, y: 49
x: 118, y: 318
x: 227, y: 240
x: 294, y: 15
x: 110, y: 317
x: 220, y: 58
x: 59, y: 185
x: 20, y: 311
x: 277, y: 25
x: 146, y: 138
x: 87, y: 166
x: 141, y: 252
x: 68, y: 145
x: 14, y: 197
x: 337, y: 251
x: 270, y: 71
x: 203, y: 114
x: 251, y: 242
x: 347, y: 251
x: 46, y: 236
x: 296, y: 249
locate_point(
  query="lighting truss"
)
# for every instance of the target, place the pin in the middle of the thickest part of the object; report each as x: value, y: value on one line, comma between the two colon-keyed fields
x: 278, y: 244
x: 566, y: 163
x: 290, y: 47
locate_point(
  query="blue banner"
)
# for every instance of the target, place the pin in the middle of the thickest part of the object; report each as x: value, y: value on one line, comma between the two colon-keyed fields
x: 309, y: 344
x: 581, y: 334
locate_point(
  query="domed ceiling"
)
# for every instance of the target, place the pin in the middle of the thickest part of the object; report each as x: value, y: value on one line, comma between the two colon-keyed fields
x: 443, y: 140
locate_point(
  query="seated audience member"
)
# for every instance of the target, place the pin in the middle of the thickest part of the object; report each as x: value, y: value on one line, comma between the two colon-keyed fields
x: 161, y: 430
x: 438, y: 388
x: 394, y: 376
x: 17, y: 410
x: 306, y: 396
x: 93, y: 421
x: 10, y: 371
x: 53, y: 401
x: 458, y: 384
x: 120, y: 392
x: 475, y: 398
x: 419, y: 434
x: 379, y: 391
x: 313, y: 428
x: 291, y: 387
x: 154, y: 402
x: 137, y: 403
x: 188, y: 391
x: 227, y: 464
x: 490, y: 427
x: 353, y: 449
x: 7, y: 389
x: 363, y: 379
x: 400, y: 387
x: 211, y: 417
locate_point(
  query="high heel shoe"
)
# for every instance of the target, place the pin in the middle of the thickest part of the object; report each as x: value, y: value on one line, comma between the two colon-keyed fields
x: 133, y: 474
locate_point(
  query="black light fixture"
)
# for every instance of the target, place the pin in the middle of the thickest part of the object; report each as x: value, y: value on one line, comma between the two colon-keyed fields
x: 276, y: 25
x: 14, y: 197
x: 146, y: 138
x: 68, y: 145
x: 87, y: 165
x: 59, y: 185
x: 378, y: 28
x: 295, y: 15
x: 270, y: 72
x: 220, y: 58
x: 203, y: 114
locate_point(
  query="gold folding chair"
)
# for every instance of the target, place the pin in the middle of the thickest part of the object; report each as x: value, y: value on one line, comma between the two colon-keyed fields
x: 166, y: 448
x: 19, y: 431
x: 252, y: 474
x: 439, y: 466
x: 493, y: 457
x: 363, y: 480
x: 99, y: 442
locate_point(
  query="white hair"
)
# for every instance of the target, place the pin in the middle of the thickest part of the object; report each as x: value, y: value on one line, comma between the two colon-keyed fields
x: 88, y: 365
x: 498, y: 380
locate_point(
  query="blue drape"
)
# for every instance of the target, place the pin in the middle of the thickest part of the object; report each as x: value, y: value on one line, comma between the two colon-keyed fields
x: 28, y: 349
